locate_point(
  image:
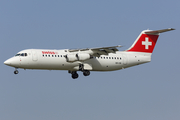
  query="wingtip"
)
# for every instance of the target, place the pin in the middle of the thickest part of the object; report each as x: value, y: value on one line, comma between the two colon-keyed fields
x: 119, y: 46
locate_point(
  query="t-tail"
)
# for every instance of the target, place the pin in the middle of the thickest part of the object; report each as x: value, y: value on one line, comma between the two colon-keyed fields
x: 146, y: 41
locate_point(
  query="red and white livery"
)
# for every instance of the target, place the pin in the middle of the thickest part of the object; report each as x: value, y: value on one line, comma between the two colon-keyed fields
x: 89, y: 59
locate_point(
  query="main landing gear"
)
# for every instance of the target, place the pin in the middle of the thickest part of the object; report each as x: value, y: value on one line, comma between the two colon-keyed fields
x: 86, y: 72
x: 81, y: 68
x: 75, y: 75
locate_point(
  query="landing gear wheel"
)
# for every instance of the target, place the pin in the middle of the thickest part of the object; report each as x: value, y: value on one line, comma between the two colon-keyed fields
x: 86, y: 72
x: 75, y: 75
x: 16, y: 72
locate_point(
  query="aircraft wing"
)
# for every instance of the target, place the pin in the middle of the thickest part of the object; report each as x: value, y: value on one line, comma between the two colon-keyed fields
x: 98, y: 51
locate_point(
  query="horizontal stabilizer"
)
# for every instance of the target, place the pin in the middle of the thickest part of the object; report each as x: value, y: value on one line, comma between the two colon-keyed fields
x: 159, y: 31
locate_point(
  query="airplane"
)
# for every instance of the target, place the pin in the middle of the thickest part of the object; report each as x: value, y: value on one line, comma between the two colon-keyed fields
x: 88, y: 59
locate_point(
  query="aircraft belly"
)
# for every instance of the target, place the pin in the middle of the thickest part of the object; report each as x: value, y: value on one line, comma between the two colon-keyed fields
x: 53, y: 64
x: 105, y: 65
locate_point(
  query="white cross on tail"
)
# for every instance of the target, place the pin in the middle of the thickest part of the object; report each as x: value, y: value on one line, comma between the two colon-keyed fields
x: 146, y: 43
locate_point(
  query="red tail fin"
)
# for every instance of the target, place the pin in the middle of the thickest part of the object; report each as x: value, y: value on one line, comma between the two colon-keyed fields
x: 146, y: 41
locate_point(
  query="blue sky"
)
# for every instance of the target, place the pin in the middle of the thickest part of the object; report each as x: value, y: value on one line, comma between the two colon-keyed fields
x: 149, y: 91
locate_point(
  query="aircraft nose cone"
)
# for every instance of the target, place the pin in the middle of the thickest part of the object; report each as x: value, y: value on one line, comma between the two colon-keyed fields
x: 7, y: 62
x: 13, y: 62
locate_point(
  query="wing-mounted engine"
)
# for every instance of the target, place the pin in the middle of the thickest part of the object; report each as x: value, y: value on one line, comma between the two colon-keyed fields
x: 83, y: 56
x: 77, y: 57
x: 71, y: 58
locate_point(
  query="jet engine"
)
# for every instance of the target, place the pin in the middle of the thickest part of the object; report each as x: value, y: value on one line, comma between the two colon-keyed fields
x: 77, y: 57
x: 83, y: 56
x: 71, y: 58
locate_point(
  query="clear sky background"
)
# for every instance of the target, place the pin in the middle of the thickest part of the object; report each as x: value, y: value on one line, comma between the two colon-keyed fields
x: 146, y: 92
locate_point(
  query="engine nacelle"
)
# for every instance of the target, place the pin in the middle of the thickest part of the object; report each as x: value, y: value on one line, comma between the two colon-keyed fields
x: 77, y: 57
x: 83, y: 56
x: 71, y: 58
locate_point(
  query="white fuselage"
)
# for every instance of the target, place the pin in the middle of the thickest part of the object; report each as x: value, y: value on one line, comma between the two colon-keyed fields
x: 56, y: 60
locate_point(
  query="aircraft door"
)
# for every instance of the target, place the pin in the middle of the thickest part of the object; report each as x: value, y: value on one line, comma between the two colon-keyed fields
x: 125, y: 60
x: 34, y: 55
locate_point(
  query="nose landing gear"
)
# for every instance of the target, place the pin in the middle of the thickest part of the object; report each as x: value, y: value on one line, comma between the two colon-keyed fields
x: 16, y: 71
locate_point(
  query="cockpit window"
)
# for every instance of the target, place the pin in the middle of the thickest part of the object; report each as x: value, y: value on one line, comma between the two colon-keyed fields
x: 17, y: 54
x: 21, y: 54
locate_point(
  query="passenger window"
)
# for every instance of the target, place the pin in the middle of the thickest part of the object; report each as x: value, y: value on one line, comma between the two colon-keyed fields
x: 25, y: 54
x: 49, y: 55
x: 52, y: 55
